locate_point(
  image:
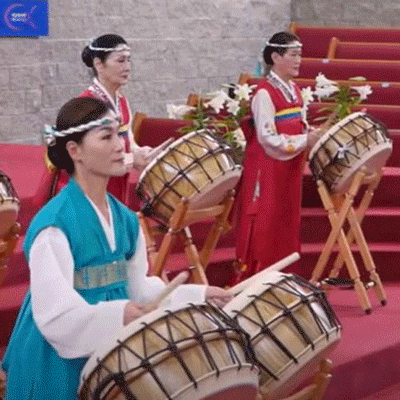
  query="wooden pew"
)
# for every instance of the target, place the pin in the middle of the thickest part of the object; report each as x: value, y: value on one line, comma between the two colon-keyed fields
x: 149, y: 131
x: 363, y: 51
x: 316, y: 38
x: 389, y: 115
x: 382, y: 92
x: 339, y: 69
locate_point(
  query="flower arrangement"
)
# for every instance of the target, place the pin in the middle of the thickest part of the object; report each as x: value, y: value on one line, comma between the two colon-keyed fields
x: 344, y: 97
x: 220, y: 111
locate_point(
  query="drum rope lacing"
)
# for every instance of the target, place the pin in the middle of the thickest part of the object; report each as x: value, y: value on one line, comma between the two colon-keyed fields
x: 7, y: 191
x: 286, y: 312
x: 117, y: 379
x: 152, y: 196
x: 372, y: 132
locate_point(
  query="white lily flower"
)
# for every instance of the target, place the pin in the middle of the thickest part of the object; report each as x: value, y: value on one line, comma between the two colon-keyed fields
x: 233, y: 106
x: 178, y: 112
x: 308, y: 95
x: 239, y: 137
x: 321, y: 81
x: 243, y: 92
x: 326, y: 91
x: 218, y: 101
x: 363, y: 91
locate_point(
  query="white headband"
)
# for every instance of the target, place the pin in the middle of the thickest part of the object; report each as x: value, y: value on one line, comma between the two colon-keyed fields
x: 50, y: 133
x: 290, y: 45
x: 119, y: 47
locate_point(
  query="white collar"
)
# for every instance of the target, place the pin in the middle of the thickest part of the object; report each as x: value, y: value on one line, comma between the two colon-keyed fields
x: 107, y: 227
x: 287, y: 88
x: 115, y: 105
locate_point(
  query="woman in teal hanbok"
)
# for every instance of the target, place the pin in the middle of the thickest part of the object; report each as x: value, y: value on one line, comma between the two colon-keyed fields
x: 87, y: 260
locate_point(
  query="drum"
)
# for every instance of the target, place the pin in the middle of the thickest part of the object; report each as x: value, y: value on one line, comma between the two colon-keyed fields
x: 356, y: 141
x: 291, y: 328
x: 198, y: 166
x: 187, y: 354
x: 9, y: 204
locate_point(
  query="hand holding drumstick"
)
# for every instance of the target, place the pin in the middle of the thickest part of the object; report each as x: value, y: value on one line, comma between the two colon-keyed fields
x: 141, y: 156
x: 314, y: 134
x: 135, y: 310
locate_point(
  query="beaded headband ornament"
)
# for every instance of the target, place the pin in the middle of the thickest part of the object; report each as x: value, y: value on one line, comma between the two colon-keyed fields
x: 50, y: 133
x: 290, y: 45
x: 119, y: 47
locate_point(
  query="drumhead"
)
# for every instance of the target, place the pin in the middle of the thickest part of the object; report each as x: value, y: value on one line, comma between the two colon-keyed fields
x: 374, y: 160
x: 170, y: 147
x: 354, y: 142
x: 333, y: 129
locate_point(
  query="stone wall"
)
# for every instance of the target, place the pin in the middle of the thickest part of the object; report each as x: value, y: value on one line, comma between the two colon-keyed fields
x: 349, y: 12
x: 178, y: 47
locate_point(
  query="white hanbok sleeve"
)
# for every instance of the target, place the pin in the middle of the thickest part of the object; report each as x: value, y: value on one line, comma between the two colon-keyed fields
x: 279, y: 146
x: 144, y: 288
x: 72, y: 326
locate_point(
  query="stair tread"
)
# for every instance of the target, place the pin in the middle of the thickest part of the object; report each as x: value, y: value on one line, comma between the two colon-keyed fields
x: 374, y: 247
x: 372, y: 211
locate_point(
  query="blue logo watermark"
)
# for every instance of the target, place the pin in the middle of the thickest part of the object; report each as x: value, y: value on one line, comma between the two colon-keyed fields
x: 24, y: 18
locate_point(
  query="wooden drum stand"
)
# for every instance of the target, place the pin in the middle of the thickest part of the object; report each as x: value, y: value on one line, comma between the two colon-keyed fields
x: 7, y: 245
x: 317, y: 389
x: 179, y: 226
x: 340, y: 209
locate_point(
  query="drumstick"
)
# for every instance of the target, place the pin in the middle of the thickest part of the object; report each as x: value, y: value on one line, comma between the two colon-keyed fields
x: 327, y: 124
x: 129, y: 158
x: 278, y: 266
x: 160, y: 147
x: 169, y: 288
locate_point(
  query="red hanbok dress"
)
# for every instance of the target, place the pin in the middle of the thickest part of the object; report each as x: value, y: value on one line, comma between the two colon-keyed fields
x: 117, y: 185
x: 268, y: 202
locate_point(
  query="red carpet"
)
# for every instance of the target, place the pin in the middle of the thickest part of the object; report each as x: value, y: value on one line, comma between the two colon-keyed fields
x: 367, y: 359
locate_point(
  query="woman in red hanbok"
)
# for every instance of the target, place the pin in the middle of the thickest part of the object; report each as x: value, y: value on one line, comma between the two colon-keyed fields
x: 109, y: 58
x: 267, y: 209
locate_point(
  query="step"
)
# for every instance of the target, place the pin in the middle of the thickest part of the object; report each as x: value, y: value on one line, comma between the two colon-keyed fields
x: 386, y: 257
x: 394, y: 159
x: 380, y: 224
x: 387, y: 193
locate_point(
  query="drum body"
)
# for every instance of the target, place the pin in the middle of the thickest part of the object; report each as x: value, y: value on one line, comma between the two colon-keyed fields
x: 197, y: 166
x: 291, y: 328
x: 9, y: 204
x: 186, y: 354
x: 358, y: 140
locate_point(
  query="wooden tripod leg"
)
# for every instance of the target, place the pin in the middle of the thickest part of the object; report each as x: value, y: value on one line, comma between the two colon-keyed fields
x: 150, y: 241
x: 198, y: 274
x: 363, y: 207
x: 322, y: 379
x: 7, y: 247
x: 216, y: 230
x: 366, y: 255
x: 339, y: 220
x: 175, y: 225
x: 317, y: 389
x: 352, y: 269
x: 337, y: 223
